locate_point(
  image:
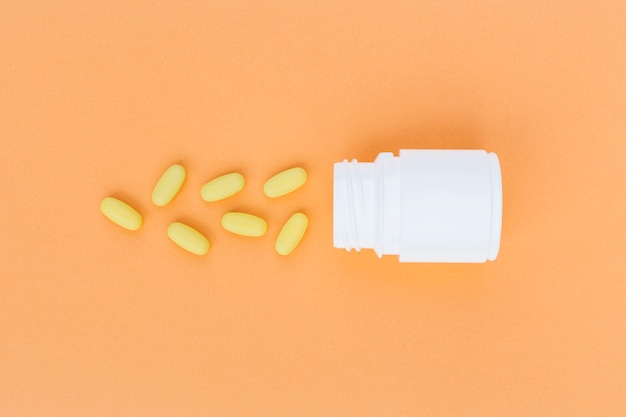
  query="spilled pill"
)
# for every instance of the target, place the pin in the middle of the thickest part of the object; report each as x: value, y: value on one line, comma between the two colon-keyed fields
x: 244, y: 224
x: 291, y: 234
x: 168, y: 185
x: 285, y: 182
x: 121, y: 213
x: 222, y: 187
x: 188, y: 238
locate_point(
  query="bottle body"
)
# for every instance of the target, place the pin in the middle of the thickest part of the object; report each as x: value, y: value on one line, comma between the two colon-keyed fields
x: 422, y: 205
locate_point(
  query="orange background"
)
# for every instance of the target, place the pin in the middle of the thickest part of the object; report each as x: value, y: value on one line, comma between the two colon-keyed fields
x: 98, y: 98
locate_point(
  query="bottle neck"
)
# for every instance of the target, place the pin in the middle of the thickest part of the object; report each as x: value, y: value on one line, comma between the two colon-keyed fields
x: 367, y: 205
x: 354, y: 203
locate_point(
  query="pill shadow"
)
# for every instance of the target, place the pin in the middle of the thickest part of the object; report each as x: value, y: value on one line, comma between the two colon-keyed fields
x: 164, y: 165
x: 193, y: 223
x: 287, y: 214
x: 241, y: 195
x: 254, y: 210
x: 157, y: 170
x: 132, y: 201
x: 210, y: 174
x: 267, y: 213
x: 283, y: 167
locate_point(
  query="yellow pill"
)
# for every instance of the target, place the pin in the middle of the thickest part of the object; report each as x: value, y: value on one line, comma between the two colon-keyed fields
x: 121, y: 213
x: 291, y: 234
x: 168, y: 185
x: 285, y: 182
x: 188, y: 238
x: 244, y: 224
x: 222, y: 187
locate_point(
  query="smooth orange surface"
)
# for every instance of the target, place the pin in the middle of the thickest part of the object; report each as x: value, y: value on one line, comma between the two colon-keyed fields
x: 98, y: 98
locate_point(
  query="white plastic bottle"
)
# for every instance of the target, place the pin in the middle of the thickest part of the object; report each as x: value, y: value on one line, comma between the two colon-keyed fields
x: 423, y: 205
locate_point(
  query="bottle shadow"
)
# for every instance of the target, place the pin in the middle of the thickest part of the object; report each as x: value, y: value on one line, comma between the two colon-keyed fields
x: 452, y: 134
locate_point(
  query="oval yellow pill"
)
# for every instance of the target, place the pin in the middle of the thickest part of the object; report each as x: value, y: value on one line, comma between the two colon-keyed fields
x: 285, y: 182
x: 244, y: 224
x: 121, y: 213
x: 291, y: 234
x: 168, y: 185
x: 222, y: 187
x: 188, y: 238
